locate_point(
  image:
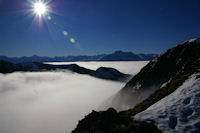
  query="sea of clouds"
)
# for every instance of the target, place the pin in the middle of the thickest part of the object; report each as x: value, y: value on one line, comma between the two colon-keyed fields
x: 50, y: 102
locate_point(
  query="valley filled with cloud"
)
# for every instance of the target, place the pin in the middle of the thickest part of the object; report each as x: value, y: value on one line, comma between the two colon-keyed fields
x: 49, y: 102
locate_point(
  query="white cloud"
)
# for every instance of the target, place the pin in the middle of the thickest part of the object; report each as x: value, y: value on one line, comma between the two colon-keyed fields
x: 54, y: 102
x: 49, y: 102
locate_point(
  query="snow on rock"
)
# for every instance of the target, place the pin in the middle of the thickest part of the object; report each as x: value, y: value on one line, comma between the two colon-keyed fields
x: 197, y: 40
x: 165, y: 84
x: 192, y: 40
x: 178, y: 61
x: 154, y: 62
x: 179, y: 111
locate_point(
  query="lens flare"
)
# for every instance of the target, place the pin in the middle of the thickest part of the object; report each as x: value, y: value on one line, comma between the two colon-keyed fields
x: 49, y: 17
x: 72, y: 40
x: 40, y: 8
x: 65, y: 33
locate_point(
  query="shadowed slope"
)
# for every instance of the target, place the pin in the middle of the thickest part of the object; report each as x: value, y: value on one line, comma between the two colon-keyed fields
x: 176, y: 63
x: 112, y: 122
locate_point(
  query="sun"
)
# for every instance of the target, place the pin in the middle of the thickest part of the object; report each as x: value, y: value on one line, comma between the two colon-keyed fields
x: 40, y: 8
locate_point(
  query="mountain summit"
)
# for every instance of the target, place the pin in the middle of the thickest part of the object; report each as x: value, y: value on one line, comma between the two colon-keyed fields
x: 127, y: 56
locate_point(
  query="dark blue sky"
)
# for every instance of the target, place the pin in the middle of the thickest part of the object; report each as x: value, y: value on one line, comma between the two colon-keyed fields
x: 98, y: 26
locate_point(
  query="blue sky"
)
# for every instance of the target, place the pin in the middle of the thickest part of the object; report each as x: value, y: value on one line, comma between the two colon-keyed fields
x: 98, y: 26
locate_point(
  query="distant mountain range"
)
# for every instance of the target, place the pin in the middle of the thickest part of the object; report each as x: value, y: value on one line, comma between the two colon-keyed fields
x: 101, y: 72
x: 116, y: 56
x: 127, y: 56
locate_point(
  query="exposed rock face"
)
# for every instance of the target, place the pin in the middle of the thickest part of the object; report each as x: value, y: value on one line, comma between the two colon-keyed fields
x: 174, y: 61
x: 112, y: 122
x: 102, y: 72
x: 183, y: 59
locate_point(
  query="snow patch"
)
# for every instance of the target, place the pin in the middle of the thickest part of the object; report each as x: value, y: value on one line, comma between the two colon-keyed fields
x: 179, y: 111
x: 154, y: 62
x: 192, y: 40
x: 164, y: 84
x: 178, y: 61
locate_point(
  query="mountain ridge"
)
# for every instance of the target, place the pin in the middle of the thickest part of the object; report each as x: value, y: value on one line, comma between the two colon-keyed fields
x: 127, y: 56
x: 102, y: 72
x: 121, y: 56
x: 168, y: 72
x: 174, y: 61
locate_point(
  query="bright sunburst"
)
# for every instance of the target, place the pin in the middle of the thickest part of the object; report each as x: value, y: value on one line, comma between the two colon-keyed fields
x: 40, y: 8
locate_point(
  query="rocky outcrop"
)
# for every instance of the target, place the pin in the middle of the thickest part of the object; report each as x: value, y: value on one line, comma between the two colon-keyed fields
x: 112, y: 122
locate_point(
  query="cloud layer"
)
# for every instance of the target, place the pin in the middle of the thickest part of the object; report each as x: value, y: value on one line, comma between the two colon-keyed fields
x: 49, y: 102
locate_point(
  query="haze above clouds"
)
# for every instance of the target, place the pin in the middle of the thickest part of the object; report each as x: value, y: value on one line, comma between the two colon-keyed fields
x: 128, y: 67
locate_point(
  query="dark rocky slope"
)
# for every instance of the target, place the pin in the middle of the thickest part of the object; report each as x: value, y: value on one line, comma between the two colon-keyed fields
x: 156, y: 80
x: 112, y: 122
x: 102, y: 72
x: 174, y: 65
